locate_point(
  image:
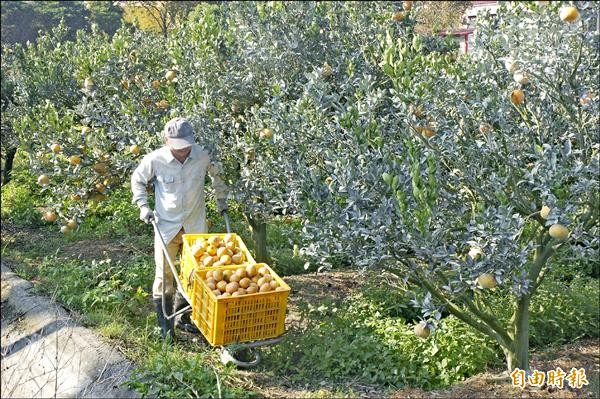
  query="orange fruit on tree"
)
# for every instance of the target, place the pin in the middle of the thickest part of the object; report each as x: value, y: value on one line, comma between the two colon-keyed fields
x: 43, y: 180
x: 568, y: 14
x: 398, y: 16
x: 545, y: 211
x: 517, y: 97
x: 266, y: 133
x: 417, y: 111
x: 100, y: 168
x: 50, y: 216
x: 521, y: 77
x: 487, y: 280
x: 422, y: 331
x: 134, y: 149
x: 485, y: 128
x: 170, y: 75
x: 55, y: 148
x: 558, y: 232
x: 74, y: 160
x: 88, y: 83
x: 327, y: 70
x: 428, y: 132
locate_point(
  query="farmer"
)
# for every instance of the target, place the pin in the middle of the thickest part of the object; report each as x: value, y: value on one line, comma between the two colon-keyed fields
x: 178, y: 172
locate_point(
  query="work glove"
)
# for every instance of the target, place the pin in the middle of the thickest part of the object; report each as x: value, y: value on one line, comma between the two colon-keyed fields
x: 146, y: 214
x: 222, y: 205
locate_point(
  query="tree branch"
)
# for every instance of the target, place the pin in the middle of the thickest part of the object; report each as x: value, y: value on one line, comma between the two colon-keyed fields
x: 458, y: 312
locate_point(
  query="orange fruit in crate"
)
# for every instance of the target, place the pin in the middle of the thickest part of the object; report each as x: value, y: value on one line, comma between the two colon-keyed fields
x: 266, y: 287
x: 237, y: 259
x: 208, y: 261
x: 252, y: 289
x: 228, y: 238
x: 198, y: 251
x: 211, y: 250
x: 245, y: 282
x: 214, y: 241
x: 232, y: 287
x: 217, y: 275
x: 251, y: 270
x: 221, y: 251
x: 222, y: 285
x: 241, y: 272
x: 225, y: 259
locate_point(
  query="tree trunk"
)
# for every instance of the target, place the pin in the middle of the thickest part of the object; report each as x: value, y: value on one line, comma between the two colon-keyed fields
x: 8, y: 164
x: 258, y: 228
x: 517, y: 356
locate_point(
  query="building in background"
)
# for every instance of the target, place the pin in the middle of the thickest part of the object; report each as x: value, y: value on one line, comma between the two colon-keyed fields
x: 464, y: 34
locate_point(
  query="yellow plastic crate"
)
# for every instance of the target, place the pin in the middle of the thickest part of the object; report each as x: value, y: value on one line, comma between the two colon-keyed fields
x: 243, y: 318
x: 189, y: 262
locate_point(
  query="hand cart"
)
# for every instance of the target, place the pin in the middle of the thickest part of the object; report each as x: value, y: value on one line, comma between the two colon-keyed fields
x: 228, y: 352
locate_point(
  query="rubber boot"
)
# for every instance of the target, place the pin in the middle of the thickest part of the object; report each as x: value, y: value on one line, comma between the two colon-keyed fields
x: 166, y: 326
x: 183, y: 321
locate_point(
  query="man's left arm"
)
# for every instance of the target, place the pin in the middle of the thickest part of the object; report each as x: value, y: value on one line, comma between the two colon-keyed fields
x: 215, y: 170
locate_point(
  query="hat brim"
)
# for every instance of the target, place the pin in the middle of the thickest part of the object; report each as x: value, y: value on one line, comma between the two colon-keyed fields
x: 180, y: 142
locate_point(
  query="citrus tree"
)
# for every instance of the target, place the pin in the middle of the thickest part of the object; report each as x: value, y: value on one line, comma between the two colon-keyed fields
x: 470, y: 178
x: 235, y: 70
x: 242, y: 67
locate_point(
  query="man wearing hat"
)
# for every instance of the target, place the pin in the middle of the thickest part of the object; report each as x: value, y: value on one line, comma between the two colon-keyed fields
x: 178, y: 172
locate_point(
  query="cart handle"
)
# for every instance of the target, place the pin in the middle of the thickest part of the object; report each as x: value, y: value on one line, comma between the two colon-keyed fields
x: 227, y: 222
x: 174, y: 272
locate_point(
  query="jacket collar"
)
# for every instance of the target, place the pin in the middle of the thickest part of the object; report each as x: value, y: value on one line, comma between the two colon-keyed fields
x: 195, y: 153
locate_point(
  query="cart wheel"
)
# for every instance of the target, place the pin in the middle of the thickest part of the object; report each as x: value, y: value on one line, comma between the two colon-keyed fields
x: 230, y: 357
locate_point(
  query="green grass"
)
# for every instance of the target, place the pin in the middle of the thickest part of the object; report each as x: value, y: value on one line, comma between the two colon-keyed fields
x: 355, y: 340
x: 113, y: 298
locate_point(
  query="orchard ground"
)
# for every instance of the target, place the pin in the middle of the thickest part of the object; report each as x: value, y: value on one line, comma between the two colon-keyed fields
x: 30, y: 251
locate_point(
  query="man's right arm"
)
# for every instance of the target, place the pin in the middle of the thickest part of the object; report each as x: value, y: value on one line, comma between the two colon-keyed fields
x: 140, y: 178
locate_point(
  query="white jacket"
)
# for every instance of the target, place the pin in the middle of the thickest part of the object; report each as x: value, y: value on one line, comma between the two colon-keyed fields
x: 178, y: 189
